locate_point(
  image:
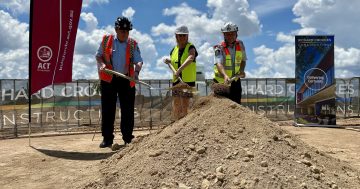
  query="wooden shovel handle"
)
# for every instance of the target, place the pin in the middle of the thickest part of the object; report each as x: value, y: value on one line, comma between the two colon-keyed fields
x: 126, y: 77
x: 174, y: 71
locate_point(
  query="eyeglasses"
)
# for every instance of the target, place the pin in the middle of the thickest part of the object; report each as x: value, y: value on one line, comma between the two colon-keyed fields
x: 229, y: 33
x: 181, y: 35
x: 121, y: 30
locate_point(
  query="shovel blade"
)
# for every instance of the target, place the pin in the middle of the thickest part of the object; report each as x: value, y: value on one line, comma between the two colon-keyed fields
x: 183, y: 90
x: 220, y: 89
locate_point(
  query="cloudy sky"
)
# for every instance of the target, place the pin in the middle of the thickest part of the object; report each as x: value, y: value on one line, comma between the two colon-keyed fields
x: 267, y: 28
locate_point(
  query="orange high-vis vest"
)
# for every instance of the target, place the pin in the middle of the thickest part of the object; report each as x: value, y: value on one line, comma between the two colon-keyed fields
x: 106, y: 44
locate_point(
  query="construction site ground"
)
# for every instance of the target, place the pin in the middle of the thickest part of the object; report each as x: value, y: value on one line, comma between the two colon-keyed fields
x: 72, y: 161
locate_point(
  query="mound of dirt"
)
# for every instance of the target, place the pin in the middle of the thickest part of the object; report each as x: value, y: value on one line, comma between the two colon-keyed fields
x: 221, y: 144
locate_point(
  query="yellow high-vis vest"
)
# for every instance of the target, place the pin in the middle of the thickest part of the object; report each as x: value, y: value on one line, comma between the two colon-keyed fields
x: 189, y: 72
x: 229, y: 68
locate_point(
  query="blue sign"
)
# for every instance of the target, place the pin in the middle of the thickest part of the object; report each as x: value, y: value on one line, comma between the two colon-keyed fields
x: 315, y: 81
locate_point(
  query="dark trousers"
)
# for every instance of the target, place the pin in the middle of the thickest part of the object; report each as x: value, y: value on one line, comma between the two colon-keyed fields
x: 118, y: 88
x: 235, y: 91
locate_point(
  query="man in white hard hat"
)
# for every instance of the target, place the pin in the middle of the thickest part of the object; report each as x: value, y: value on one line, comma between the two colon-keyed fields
x: 183, y: 59
x: 230, y: 61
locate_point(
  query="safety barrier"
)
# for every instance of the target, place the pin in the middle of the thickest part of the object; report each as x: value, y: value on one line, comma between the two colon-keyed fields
x: 75, y: 107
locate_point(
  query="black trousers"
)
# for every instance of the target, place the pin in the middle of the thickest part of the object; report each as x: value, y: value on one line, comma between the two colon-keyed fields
x: 235, y: 91
x: 110, y: 92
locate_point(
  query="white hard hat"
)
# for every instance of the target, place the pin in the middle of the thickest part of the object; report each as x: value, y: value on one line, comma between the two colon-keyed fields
x: 182, y: 30
x: 229, y: 27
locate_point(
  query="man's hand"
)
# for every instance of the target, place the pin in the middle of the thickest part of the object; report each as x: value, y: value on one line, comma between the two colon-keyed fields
x: 166, y: 60
x: 101, y: 65
x: 242, y: 74
x: 226, y: 79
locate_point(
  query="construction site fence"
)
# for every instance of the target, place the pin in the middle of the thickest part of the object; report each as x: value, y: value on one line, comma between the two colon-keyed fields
x: 76, y: 106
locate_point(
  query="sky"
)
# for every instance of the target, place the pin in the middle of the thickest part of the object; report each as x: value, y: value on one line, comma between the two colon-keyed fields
x: 267, y: 28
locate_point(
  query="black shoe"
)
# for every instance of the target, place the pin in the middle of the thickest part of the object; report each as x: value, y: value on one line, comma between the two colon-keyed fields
x: 105, y: 144
x: 128, y: 140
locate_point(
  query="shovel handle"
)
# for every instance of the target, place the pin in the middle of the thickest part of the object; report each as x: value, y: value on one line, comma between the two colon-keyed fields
x: 126, y: 77
x: 235, y: 77
x: 174, y: 71
x: 232, y: 79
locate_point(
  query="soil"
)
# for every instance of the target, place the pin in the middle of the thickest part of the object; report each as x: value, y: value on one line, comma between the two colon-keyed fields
x: 219, y: 144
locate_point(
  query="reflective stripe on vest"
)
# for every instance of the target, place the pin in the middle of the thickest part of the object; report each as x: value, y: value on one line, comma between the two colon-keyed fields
x: 106, y: 44
x: 189, y: 72
x: 129, y: 65
x: 230, y: 68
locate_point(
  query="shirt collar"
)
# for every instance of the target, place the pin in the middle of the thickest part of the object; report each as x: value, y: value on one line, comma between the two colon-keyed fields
x: 115, y: 37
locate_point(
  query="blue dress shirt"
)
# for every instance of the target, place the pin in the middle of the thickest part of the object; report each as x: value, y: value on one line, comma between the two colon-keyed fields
x: 119, y: 54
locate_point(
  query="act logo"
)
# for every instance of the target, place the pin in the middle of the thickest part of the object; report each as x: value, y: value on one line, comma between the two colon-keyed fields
x: 44, y: 53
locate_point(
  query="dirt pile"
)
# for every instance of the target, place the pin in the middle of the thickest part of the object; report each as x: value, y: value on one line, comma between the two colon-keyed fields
x: 223, y: 145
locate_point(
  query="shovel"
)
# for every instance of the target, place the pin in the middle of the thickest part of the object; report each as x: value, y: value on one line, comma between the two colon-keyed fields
x: 223, y: 89
x: 174, y: 71
x: 136, y: 81
x: 128, y: 78
x: 182, y: 86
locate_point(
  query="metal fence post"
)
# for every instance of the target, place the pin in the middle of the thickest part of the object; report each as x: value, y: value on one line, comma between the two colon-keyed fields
x: 78, y: 101
x: 151, y: 106
x: 246, y: 92
x: 257, y: 95
x: 266, y: 93
x: 358, y: 110
x: 276, y: 99
x: 15, y: 113
x: 1, y: 111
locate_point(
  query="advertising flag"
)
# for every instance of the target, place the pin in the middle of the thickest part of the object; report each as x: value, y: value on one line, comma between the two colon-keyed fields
x: 53, y: 27
x: 315, y: 81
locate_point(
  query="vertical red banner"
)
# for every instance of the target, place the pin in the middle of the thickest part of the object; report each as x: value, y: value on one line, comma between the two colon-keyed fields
x: 53, y: 32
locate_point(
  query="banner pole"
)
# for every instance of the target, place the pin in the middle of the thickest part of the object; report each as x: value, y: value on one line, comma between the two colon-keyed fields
x: 30, y: 56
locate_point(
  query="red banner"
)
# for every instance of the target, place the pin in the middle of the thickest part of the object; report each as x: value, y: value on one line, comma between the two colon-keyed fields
x: 52, y: 36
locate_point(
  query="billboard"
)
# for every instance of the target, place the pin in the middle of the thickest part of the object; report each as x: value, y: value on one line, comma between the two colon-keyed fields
x: 315, y: 81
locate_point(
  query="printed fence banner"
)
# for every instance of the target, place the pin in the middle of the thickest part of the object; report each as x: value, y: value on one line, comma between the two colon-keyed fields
x: 315, y: 83
x: 52, y: 35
